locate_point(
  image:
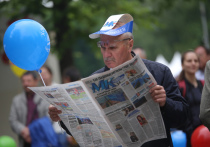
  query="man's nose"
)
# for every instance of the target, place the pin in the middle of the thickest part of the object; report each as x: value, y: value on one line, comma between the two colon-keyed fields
x: 107, y: 52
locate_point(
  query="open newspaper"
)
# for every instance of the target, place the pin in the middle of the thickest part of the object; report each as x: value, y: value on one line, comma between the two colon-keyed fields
x: 110, y: 109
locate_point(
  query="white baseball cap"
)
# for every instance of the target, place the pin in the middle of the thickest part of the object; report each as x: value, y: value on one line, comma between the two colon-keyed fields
x: 110, y: 23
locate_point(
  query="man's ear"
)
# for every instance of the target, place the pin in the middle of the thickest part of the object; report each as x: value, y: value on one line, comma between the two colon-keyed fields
x: 130, y: 44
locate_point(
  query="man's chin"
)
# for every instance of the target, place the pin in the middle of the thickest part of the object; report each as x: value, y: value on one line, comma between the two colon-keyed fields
x: 110, y: 65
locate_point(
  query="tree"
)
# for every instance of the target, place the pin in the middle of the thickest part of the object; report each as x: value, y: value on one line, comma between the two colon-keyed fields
x: 179, y: 29
x: 159, y: 26
x: 72, y: 21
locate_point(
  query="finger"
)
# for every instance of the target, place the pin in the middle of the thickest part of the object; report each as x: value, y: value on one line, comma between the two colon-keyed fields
x: 158, y: 92
x: 54, y: 112
x: 52, y: 108
x: 160, y: 96
x: 161, y: 101
x: 55, y: 118
x: 156, y: 87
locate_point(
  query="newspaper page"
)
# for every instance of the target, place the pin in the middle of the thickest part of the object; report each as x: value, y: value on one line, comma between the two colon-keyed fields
x: 122, y: 95
x: 79, y: 114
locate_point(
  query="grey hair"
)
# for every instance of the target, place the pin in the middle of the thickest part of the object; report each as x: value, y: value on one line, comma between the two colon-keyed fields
x: 128, y: 35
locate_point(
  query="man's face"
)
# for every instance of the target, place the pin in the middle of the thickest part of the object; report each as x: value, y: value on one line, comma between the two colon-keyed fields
x: 28, y: 81
x: 116, y: 49
x: 203, y: 57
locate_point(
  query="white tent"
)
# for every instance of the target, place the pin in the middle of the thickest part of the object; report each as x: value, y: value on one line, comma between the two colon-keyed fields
x: 174, y: 65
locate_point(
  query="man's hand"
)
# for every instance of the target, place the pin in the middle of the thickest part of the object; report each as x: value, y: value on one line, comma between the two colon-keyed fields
x: 159, y: 95
x: 53, y: 112
x: 25, y: 133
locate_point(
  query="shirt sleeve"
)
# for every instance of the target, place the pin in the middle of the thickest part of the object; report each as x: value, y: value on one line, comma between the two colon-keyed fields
x: 175, y: 111
x: 205, y: 99
x: 15, y: 123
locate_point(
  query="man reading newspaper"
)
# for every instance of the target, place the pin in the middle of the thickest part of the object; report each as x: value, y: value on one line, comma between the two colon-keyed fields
x: 116, y: 42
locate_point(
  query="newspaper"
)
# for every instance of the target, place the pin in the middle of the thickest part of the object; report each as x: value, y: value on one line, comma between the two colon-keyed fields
x: 110, y: 109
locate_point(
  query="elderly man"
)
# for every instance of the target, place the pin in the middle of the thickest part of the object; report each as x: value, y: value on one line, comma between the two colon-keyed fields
x: 116, y: 42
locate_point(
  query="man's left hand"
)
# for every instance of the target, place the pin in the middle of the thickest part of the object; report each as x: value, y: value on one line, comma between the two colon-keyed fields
x: 159, y: 95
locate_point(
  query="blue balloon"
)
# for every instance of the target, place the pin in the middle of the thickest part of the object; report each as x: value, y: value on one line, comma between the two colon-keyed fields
x: 179, y: 138
x: 27, y: 44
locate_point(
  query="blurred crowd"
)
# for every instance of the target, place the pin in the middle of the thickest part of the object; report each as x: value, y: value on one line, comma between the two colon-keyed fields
x: 28, y: 110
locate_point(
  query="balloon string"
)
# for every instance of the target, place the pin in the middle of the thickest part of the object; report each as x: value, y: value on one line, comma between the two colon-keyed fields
x: 39, y: 71
x: 41, y: 78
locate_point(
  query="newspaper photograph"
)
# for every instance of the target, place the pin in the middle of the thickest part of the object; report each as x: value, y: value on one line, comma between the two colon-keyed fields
x: 110, y: 109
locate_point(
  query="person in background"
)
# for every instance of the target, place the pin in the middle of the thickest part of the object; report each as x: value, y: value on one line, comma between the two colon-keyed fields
x: 141, y: 52
x: 70, y: 74
x: 47, y: 75
x: 116, y: 45
x: 204, y: 56
x: 191, y: 89
x: 25, y: 108
x: 205, y: 99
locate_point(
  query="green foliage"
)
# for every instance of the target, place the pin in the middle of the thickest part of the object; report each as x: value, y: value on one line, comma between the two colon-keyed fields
x: 160, y: 27
x: 178, y: 29
x: 72, y: 21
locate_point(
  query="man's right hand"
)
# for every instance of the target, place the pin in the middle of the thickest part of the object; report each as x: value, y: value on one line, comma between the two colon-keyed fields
x: 53, y: 112
x: 25, y: 133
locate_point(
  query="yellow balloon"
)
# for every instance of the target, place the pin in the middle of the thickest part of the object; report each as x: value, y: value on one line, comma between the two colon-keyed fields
x: 16, y: 70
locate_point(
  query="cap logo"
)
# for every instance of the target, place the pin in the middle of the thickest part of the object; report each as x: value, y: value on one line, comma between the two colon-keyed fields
x: 110, y: 24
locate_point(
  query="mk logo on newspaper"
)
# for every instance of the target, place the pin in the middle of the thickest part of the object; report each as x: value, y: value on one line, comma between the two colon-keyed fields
x: 103, y: 84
